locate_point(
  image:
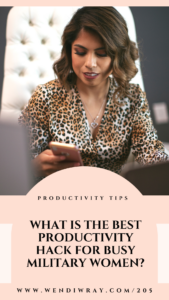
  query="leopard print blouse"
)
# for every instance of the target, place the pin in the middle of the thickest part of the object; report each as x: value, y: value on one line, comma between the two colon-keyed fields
x: 53, y: 114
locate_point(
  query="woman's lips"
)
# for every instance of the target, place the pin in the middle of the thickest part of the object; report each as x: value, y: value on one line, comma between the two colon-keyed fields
x: 90, y: 75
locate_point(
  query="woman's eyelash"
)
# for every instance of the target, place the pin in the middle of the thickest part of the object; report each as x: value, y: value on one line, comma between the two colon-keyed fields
x: 83, y: 53
x: 80, y: 53
x: 102, y: 55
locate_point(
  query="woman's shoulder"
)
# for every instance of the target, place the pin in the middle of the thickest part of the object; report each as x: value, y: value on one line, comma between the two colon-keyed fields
x: 139, y: 100
x: 138, y: 96
x: 135, y: 90
x: 52, y: 85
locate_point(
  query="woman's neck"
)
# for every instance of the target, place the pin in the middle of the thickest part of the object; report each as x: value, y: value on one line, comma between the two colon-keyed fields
x: 93, y: 93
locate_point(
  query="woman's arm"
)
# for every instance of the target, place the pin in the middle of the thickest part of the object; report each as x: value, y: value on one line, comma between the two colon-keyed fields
x: 144, y: 140
x: 35, y: 117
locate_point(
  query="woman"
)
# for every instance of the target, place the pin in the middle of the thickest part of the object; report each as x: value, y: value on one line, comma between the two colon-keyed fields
x: 92, y: 104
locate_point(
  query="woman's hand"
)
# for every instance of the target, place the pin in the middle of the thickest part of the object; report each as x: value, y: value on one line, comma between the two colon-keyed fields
x: 47, y: 163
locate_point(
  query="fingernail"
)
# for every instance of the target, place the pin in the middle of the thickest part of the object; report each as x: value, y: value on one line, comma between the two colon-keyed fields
x: 62, y: 157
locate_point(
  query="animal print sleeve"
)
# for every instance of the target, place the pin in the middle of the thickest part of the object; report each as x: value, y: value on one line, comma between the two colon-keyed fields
x: 145, y: 144
x: 35, y: 117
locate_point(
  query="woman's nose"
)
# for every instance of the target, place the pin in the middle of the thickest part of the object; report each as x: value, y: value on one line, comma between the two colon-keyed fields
x: 91, y: 60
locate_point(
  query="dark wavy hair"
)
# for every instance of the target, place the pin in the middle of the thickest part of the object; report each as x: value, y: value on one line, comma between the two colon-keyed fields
x: 108, y: 23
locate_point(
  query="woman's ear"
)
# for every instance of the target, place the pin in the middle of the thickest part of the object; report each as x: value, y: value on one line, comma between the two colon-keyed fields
x: 111, y: 69
x: 111, y: 72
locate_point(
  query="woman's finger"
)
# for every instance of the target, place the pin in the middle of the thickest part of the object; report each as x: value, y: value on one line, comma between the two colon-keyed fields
x: 47, y: 156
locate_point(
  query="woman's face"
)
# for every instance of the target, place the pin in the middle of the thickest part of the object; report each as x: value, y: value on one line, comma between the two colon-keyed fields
x: 89, y: 59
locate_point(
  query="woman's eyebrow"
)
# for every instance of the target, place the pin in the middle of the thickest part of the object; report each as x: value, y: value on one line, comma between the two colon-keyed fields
x: 80, y: 46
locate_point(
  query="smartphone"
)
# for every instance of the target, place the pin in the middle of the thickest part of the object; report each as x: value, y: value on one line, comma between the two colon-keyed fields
x: 71, y: 151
